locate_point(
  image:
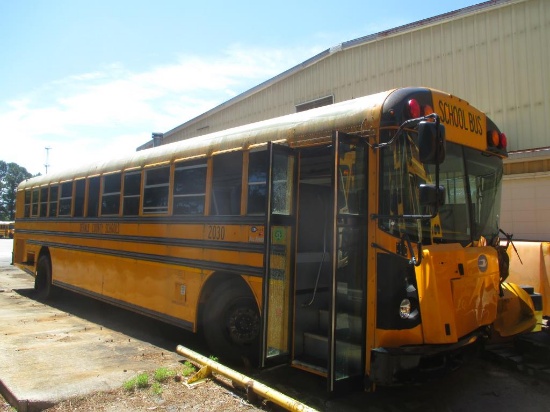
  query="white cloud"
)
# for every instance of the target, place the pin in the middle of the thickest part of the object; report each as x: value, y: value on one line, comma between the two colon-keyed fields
x: 90, y: 116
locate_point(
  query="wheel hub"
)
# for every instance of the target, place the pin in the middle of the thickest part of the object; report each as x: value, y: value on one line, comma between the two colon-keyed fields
x: 244, y: 325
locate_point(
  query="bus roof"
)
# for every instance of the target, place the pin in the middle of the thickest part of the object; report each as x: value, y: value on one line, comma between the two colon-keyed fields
x: 348, y: 116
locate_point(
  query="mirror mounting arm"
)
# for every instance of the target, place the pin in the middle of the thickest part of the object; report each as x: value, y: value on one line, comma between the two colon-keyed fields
x: 405, y: 239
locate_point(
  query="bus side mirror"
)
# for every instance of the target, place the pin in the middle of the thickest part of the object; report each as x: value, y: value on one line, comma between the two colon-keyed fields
x: 429, y: 195
x: 431, y: 142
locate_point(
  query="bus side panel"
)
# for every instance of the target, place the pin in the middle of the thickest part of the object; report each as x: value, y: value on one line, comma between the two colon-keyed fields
x: 25, y: 255
x: 434, y: 289
x: 77, y: 269
x: 458, y: 291
x: 172, y: 291
x: 156, y: 289
x: 476, y: 293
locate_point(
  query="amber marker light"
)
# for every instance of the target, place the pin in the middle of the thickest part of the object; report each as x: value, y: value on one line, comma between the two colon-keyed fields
x: 493, y: 138
x: 428, y: 110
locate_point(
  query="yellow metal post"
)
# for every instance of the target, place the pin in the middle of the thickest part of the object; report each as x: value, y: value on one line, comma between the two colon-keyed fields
x: 258, y: 388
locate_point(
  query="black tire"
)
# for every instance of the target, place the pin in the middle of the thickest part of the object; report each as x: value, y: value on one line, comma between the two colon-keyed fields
x: 232, y: 324
x: 43, y: 281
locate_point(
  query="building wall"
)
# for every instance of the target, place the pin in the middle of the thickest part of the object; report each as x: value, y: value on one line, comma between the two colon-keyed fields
x: 495, y: 55
x: 525, y: 204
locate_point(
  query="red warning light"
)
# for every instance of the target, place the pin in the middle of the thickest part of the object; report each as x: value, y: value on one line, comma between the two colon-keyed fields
x: 413, y: 109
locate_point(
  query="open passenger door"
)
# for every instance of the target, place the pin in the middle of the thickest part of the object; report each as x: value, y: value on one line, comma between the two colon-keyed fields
x: 279, y: 253
x: 347, y: 309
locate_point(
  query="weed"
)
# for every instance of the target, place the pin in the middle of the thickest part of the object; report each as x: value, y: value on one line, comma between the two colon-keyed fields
x: 156, y: 388
x: 142, y: 381
x: 130, y: 385
x: 188, y: 369
x: 163, y: 374
x: 213, y: 358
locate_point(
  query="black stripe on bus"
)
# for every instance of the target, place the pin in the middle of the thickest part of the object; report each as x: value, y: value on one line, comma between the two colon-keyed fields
x: 125, y: 305
x: 196, y: 263
x: 165, y: 241
x: 207, y: 220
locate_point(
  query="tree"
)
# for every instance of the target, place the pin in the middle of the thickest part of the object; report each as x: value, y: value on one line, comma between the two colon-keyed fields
x: 11, y: 174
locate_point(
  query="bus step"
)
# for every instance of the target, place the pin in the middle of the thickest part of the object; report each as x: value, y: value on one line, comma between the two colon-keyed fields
x: 317, y: 346
x: 348, y: 299
x: 528, y: 288
x: 535, y: 297
x: 537, y: 301
x: 347, y: 326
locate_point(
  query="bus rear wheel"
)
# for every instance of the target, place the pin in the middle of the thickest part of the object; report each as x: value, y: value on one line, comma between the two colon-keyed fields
x: 232, y: 324
x: 43, y: 281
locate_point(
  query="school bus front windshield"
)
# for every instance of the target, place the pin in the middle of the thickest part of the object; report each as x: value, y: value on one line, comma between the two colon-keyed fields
x: 472, y: 182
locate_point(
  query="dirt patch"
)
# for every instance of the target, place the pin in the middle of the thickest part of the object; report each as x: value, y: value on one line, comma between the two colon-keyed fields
x: 215, y: 394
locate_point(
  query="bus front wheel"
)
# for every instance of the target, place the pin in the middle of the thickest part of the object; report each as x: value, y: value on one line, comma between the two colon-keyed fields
x: 232, y: 324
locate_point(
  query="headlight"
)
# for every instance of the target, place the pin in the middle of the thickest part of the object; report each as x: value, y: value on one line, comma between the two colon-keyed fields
x: 405, y: 309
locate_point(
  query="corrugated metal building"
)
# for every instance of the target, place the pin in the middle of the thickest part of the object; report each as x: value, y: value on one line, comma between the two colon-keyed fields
x: 495, y: 54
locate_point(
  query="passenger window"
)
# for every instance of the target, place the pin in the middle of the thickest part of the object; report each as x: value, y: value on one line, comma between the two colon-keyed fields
x: 79, y: 197
x: 155, y: 193
x: 27, y: 203
x: 132, y: 188
x: 54, y: 192
x: 43, y: 202
x: 35, y: 202
x: 227, y: 184
x: 257, y: 183
x: 110, y: 201
x: 189, y: 187
x: 93, y: 196
x: 65, y: 199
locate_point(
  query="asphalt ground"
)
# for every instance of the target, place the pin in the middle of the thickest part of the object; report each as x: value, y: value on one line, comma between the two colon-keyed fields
x: 73, y: 346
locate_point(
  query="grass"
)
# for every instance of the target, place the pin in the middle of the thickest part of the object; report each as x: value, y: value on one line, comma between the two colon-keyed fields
x: 140, y: 381
x: 156, y: 388
x: 188, y: 369
x: 163, y: 374
x: 159, y: 376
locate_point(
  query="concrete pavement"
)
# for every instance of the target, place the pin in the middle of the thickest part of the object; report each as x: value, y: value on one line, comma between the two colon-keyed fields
x: 50, y: 352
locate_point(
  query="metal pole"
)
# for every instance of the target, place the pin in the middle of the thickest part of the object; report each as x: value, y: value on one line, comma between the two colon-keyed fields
x: 47, y: 158
x: 260, y: 389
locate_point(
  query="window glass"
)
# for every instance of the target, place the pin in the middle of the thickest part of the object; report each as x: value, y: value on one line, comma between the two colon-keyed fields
x: 257, y: 183
x: 35, y: 202
x: 227, y: 184
x: 43, y: 201
x: 281, y: 202
x: 189, y: 187
x: 54, y: 192
x: 93, y: 196
x: 110, y: 201
x: 27, y: 203
x: 155, y: 194
x: 485, y: 183
x: 132, y: 187
x: 80, y: 189
x: 65, y: 199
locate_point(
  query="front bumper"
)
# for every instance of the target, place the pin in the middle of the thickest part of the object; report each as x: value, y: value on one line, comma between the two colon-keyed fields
x: 392, y: 366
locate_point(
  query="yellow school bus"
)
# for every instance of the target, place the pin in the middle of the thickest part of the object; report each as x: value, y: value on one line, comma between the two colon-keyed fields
x: 356, y: 241
x: 6, y: 229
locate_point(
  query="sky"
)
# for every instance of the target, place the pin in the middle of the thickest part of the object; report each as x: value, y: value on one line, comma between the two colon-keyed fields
x: 94, y: 79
